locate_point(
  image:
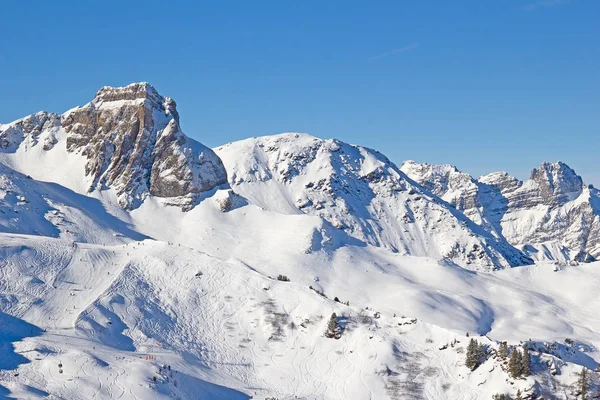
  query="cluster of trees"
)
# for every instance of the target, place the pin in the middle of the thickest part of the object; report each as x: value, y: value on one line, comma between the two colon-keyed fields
x: 476, y: 354
x: 501, y: 396
x: 519, y: 364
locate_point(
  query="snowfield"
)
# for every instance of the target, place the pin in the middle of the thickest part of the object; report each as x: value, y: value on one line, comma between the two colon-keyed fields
x: 227, y: 290
x: 229, y: 330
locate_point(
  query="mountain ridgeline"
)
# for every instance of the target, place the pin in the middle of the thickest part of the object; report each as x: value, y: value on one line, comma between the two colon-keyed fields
x: 126, y: 147
x: 551, y: 216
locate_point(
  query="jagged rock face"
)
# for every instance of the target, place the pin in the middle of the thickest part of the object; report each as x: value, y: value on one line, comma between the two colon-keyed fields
x: 552, y: 209
x: 31, y: 129
x: 557, y: 182
x: 133, y: 144
x: 362, y: 193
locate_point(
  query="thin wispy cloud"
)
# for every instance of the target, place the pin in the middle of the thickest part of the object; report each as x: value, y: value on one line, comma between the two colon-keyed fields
x: 545, y: 3
x: 404, y: 49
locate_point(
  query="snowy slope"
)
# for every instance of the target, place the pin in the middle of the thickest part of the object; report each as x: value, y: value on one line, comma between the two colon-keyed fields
x: 361, y: 193
x: 31, y: 207
x: 552, y: 216
x: 227, y: 329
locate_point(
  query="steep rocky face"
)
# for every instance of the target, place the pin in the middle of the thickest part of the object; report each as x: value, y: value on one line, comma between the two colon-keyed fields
x: 553, y: 215
x: 362, y: 193
x: 132, y: 143
x: 557, y: 183
x: 454, y: 186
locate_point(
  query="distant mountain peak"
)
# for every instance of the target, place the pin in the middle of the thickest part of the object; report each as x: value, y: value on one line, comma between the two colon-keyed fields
x: 553, y: 207
x: 557, y: 179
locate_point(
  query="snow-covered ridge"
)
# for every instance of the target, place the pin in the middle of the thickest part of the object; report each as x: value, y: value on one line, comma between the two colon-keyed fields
x: 553, y: 215
x: 362, y: 193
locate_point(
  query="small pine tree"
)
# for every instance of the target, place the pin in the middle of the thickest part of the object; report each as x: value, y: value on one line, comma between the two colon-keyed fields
x: 583, y: 383
x: 526, y: 362
x: 333, y: 329
x: 503, y: 351
x: 514, y: 363
x: 519, y: 395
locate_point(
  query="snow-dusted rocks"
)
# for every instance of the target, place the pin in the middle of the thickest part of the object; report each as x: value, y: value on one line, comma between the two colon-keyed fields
x: 131, y: 142
x: 31, y: 129
x: 361, y: 192
x: 553, y: 215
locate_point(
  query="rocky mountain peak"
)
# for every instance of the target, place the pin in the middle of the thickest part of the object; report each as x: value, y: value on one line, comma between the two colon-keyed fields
x: 133, y: 91
x: 439, y: 179
x: 501, y: 181
x: 141, y: 92
x: 557, y: 179
x: 132, y: 142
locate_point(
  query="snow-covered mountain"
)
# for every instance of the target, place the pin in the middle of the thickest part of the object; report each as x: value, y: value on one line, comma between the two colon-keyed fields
x: 361, y: 192
x: 135, y: 263
x: 551, y: 216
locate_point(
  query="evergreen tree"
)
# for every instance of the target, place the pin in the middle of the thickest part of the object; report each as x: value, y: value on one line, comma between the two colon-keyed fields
x: 333, y: 329
x: 503, y: 351
x: 475, y: 354
x: 583, y: 383
x: 526, y: 362
x: 481, y: 353
x: 472, y: 360
x: 514, y: 363
x: 519, y: 395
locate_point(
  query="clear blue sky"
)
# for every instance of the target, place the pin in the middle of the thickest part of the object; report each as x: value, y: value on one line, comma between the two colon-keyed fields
x: 483, y: 84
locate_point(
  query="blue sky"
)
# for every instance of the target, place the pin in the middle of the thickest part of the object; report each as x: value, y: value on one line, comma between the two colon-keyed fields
x: 485, y: 85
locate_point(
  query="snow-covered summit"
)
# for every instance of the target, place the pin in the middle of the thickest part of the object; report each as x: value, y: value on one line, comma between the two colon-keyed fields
x: 553, y: 215
x: 362, y: 193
